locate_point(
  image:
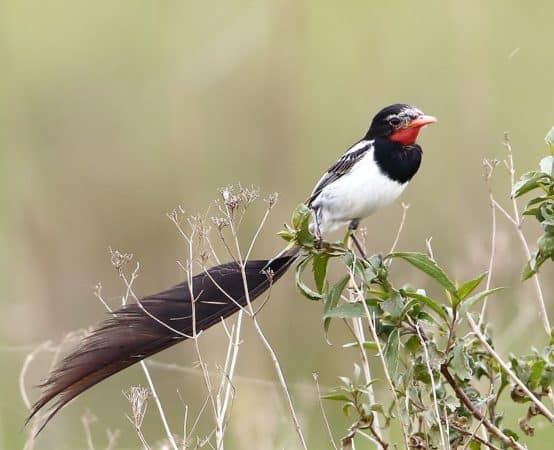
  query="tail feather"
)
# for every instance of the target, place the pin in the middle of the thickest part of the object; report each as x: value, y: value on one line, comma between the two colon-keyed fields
x: 131, y: 335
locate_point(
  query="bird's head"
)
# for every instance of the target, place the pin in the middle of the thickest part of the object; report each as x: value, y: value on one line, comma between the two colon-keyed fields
x: 399, y: 123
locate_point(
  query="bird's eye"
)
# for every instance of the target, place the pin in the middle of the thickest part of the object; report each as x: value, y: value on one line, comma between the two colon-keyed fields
x: 394, y: 121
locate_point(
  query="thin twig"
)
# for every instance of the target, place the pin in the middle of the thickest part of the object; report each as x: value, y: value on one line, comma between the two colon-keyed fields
x: 473, y: 436
x: 358, y: 330
x: 405, y: 207
x: 433, y: 386
x: 462, y: 396
x: 129, y: 286
x: 264, y: 339
x: 327, y: 426
x: 519, y: 231
x: 489, y: 170
x: 86, y: 420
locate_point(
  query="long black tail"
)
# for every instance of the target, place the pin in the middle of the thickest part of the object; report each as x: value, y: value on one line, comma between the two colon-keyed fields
x: 131, y: 335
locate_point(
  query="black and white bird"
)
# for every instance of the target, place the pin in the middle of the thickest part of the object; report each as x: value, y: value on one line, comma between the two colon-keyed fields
x: 370, y: 175
x: 373, y: 172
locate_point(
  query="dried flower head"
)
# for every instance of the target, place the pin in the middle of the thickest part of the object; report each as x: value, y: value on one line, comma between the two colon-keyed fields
x: 138, y: 398
x: 119, y: 259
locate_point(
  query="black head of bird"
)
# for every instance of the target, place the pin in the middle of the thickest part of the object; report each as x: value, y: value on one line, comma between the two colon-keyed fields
x: 399, y: 123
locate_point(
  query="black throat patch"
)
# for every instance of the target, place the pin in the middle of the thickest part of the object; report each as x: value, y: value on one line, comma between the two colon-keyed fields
x: 399, y: 162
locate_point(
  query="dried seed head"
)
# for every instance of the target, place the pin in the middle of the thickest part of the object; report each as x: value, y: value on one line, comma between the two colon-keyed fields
x: 199, y: 226
x: 119, y: 259
x: 272, y: 199
x: 138, y: 398
x: 230, y: 199
x: 248, y: 195
x: 220, y: 222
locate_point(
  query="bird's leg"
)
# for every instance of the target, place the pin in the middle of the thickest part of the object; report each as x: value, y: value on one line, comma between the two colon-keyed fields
x: 317, y: 231
x: 353, y: 226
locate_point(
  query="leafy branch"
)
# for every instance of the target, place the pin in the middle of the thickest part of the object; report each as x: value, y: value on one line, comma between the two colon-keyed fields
x: 446, y: 383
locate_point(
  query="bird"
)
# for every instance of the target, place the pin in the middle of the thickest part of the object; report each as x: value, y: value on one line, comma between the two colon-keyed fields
x: 371, y: 174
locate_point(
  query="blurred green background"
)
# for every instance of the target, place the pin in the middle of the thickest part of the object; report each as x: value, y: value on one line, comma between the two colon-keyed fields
x: 114, y: 113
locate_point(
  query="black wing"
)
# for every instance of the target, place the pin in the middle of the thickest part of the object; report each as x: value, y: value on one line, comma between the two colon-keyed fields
x: 341, y: 167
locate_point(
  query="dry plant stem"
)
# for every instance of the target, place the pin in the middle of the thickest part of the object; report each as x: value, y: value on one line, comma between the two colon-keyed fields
x: 86, y: 420
x: 359, y: 333
x: 358, y: 330
x: 129, y: 285
x: 540, y: 406
x: 405, y: 207
x: 371, y: 321
x: 517, y: 219
x: 30, y: 442
x: 234, y: 341
x: 26, y: 363
x: 305, y: 387
x: 506, y: 440
x: 142, y: 439
x: 227, y: 376
x: 327, y: 426
x: 489, y: 167
x: 196, y: 334
x: 260, y: 332
x: 185, y: 428
x: 113, y: 436
x: 444, y: 439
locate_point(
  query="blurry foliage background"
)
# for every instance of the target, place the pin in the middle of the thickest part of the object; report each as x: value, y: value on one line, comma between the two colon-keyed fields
x: 114, y: 113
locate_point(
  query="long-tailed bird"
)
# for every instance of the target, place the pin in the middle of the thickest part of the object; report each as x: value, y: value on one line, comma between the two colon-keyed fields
x: 371, y: 174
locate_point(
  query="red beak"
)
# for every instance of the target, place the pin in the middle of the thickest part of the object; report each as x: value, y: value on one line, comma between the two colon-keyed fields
x: 422, y: 121
x: 408, y: 134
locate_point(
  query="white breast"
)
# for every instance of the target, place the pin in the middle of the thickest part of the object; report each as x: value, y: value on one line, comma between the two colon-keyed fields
x: 355, y: 195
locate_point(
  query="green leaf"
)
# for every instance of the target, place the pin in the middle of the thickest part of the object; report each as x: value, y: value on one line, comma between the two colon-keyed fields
x: 368, y: 345
x: 319, y: 268
x: 346, y: 407
x: 469, y: 286
x: 346, y: 381
x: 331, y: 300
x: 393, y: 306
x: 376, y: 407
x: 532, y: 266
x: 346, y: 311
x: 413, y: 345
x: 337, y: 396
x: 428, y: 302
x: 428, y: 266
x: 391, y: 352
x: 460, y: 362
x: 528, y: 182
x: 421, y: 373
x: 534, y: 205
x: 511, y: 433
x: 302, y: 287
x: 301, y: 218
x: 536, y: 373
x: 547, y: 377
x: 546, y: 245
x: 300, y: 215
x: 286, y: 235
x: 470, y: 301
